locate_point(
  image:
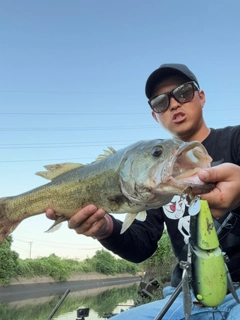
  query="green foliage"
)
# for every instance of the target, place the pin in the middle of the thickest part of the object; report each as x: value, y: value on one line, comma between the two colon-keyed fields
x: 85, y: 266
x: 164, y: 251
x: 107, y: 301
x: 158, y: 267
x: 57, y: 268
x: 8, y: 261
x: 51, y: 266
x: 123, y: 266
x: 162, y: 261
x: 104, y: 262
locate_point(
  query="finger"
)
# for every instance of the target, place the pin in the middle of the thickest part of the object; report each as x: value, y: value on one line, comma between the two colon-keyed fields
x: 222, y: 172
x: 212, y: 197
x: 217, y: 203
x: 82, y: 215
x: 50, y: 214
x: 85, y: 218
x: 213, y: 174
x: 93, y: 230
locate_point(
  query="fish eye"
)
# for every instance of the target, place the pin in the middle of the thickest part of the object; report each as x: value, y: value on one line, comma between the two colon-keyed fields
x: 157, y: 151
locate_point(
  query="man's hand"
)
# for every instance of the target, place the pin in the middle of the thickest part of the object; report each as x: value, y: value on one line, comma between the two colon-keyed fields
x: 89, y: 221
x: 226, y: 194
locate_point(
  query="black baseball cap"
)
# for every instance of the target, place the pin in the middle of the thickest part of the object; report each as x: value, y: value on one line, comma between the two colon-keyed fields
x: 166, y: 70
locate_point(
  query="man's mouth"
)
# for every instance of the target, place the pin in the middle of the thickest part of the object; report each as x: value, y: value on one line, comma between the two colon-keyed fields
x: 178, y: 117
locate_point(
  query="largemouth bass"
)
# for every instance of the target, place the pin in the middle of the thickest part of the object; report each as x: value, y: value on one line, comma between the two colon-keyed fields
x: 142, y: 176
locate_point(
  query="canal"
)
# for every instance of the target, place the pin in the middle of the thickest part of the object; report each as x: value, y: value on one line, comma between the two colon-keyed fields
x: 103, y: 297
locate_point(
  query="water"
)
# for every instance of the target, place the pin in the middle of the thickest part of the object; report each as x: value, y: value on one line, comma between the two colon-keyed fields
x: 100, y: 301
x: 93, y: 315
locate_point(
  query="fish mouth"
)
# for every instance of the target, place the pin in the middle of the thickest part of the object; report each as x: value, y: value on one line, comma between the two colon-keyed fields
x: 182, y: 166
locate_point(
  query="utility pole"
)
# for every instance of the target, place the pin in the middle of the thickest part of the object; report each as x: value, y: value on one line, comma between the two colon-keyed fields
x: 30, y: 252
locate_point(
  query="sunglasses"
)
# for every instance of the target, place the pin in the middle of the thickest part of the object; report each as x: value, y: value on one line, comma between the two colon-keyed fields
x: 181, y: 94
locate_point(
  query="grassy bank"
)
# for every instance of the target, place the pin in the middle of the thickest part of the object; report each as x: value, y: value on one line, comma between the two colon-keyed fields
x: 58, y: 269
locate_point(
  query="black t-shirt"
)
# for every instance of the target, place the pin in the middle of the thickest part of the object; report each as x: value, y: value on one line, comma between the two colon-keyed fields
x: 139, y: 242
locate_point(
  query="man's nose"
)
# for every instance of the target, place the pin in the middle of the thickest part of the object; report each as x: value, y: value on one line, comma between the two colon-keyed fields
x: 174, y: 104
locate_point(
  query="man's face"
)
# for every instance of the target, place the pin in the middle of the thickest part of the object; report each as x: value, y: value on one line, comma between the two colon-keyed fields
x: 181, y: 120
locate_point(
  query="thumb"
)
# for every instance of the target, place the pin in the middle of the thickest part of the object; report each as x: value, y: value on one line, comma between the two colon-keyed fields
x: 222, y: 172
x: 208, y: 175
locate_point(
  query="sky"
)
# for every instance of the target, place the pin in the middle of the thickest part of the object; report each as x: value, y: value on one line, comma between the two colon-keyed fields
x: 72, y: 82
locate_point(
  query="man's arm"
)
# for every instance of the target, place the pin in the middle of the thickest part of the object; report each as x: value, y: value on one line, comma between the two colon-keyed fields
x: 140, y: 240
x: 136, y: 244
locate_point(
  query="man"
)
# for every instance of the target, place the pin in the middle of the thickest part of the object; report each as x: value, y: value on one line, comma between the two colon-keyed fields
x: 177, y: 102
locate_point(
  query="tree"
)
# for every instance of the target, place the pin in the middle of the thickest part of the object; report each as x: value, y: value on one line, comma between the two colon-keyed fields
x: 8, y: 261
x: 104, y: 262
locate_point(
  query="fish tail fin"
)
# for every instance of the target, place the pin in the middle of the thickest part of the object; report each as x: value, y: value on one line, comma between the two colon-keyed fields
x: 7, y: 226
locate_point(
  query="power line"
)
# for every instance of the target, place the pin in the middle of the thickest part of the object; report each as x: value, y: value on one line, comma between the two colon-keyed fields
x: 102, y: 113
x: 62, y: 144
x: 93, y: 113
x: 46, y: 160
x: 88, y: 93
x: 105, y: 128
x: 52, y: 242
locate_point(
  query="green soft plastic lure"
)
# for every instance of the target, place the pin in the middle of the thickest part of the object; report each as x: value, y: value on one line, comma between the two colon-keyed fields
x: 209, y: 272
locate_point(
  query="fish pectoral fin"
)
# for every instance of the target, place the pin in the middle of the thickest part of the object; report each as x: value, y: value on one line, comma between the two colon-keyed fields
x: 57, y: 224
x: 55, y: 170
x: 130, y: 217
x: 141, y: 216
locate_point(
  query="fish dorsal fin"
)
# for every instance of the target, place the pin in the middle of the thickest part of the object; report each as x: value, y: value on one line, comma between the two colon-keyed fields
x: 54, y: 170
x: 106, y: 154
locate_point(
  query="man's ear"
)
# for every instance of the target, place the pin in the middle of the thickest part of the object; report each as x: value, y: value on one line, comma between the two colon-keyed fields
x: 202, y: 97
x: 154, y: 116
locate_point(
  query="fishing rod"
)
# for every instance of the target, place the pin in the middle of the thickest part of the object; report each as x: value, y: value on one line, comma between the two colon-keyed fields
x: 58, y: 304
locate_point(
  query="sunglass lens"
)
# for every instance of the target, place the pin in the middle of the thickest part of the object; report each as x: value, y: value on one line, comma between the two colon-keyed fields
x: 160, y: 103
x: 184, y: 93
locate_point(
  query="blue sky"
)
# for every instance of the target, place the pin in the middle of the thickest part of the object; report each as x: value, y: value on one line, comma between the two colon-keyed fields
x: 72, y: 83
